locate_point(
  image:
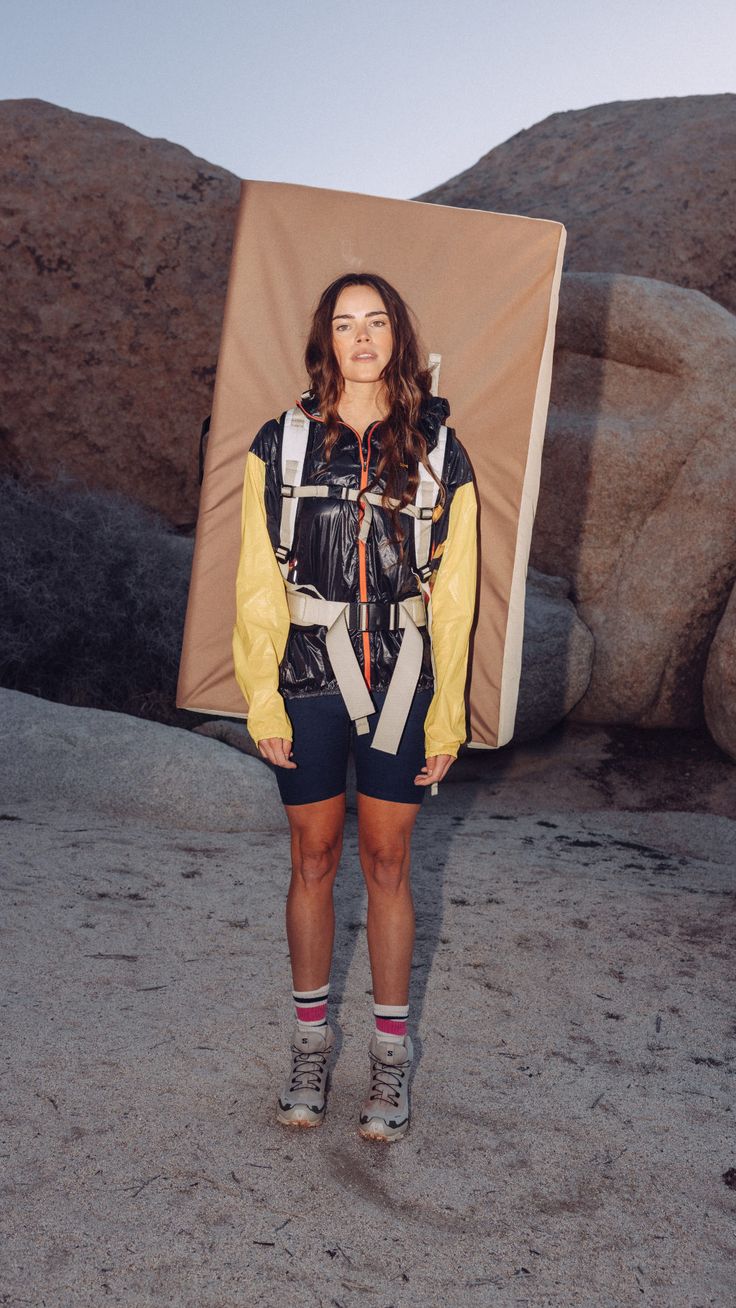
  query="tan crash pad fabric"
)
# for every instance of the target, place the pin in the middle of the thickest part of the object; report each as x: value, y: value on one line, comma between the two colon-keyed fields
x: 484, y: 288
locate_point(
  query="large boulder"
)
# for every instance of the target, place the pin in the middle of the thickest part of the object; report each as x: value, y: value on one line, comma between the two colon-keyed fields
x: 556, y: 660
x: 638, y: 490
x: 90, y: 760
x: 719, y: 683
x: 646, y: 187
x: 116, y: 253
x: 93, y: 594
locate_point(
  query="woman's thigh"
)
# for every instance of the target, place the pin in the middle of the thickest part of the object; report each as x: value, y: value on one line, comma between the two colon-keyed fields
x: 390, y: 777
x: 320, y: 750
x: 384, y: 837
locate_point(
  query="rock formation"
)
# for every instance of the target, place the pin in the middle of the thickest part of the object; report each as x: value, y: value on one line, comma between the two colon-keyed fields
x: 646, y: 187
x: 557, y: 657
x: 91, y: 760
x: 719, y: 684
x: 116, y: 256
x: 116, y: 261
x: 93, y: 594
x: 638, y: 491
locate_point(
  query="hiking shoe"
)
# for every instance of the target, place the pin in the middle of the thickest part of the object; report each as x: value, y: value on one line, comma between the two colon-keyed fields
x: 384, y: 1115
x: 303, y: 1099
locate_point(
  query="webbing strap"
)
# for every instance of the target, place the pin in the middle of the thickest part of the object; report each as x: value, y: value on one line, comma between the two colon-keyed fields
x: 325, y: 490
x: 422, y: 528
x: 309, y: 610
x: 426, y: 498
x: 401, y: 688
x: 333, y: 490
x: 293, y: 450
x: 422, y: 512
x: 349, y: 676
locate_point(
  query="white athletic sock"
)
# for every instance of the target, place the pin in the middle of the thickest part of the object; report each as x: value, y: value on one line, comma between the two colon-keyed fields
x: 390, y: 1020
x: 311, y: 1007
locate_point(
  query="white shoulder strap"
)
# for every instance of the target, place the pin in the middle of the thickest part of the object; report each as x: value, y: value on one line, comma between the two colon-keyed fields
x: 426, y: 498
x: 434, y: 363
x: 293, y: 451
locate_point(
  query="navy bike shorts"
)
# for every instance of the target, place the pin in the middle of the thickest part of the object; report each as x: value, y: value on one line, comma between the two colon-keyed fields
x: 323, y: 738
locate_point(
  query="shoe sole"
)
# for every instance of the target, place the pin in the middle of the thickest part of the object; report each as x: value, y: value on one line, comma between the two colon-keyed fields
x: 386, y: 1135
x: 299, y: 1121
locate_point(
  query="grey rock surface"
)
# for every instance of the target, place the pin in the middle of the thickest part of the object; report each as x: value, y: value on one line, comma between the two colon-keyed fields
x: 572, y: 1098
x: 719, y: 683
x: 231, y: 733
x: 645, y: 187
x: 112, y: 763
x: 638, y: 489
x: 557, y: 656
x: 116, y: 251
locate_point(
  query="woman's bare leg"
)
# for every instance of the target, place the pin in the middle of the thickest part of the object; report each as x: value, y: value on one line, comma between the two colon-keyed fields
x: 316, y: 845
x: 384, y: 840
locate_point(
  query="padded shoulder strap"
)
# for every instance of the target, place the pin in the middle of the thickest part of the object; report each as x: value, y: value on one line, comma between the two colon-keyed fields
x: 293, y: 452
x: 426, y: 497
x: 294, y: 447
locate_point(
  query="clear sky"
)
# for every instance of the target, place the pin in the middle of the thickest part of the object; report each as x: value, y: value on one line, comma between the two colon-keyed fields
x: 388, y: 97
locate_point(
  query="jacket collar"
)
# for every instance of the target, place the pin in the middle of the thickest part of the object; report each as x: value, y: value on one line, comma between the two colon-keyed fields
x: 434, y: 412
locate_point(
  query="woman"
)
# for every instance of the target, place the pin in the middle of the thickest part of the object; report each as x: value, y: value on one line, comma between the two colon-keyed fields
x: 371, y: 434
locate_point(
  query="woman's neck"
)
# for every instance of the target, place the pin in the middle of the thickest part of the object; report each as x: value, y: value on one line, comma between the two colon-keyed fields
x: 362, y: 403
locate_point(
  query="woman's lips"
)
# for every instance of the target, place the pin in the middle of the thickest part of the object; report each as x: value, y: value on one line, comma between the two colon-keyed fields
x: 363, y: 355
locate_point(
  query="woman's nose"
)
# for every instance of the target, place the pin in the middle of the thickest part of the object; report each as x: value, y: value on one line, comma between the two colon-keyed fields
x: 364, y: 332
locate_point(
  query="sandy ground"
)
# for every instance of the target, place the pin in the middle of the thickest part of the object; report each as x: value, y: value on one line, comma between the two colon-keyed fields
x: 572, y: 1138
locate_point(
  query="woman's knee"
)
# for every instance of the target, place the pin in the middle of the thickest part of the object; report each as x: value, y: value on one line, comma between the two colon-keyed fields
x: 385, y: 864
x: 316, y: 840
x: 315, y: 859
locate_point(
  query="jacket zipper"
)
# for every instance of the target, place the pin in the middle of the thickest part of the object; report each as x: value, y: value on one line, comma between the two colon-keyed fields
x: 362, y: 572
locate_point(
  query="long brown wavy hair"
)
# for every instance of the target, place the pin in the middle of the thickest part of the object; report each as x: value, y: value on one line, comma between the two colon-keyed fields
x: 407, y: 383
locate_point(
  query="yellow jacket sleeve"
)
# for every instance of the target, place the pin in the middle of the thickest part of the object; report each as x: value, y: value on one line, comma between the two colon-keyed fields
x: 262, y: 615
x: 453, y: 607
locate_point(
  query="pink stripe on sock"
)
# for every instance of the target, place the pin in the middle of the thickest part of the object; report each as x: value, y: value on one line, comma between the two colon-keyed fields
x: 391, y: 1025
x: 311, y: 1012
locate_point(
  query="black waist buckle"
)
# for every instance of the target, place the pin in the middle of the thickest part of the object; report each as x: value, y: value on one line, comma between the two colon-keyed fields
x: 372, y: 616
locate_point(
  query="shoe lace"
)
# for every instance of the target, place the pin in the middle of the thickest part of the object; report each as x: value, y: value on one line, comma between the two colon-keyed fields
x: 307, y: 1069
x: 386, y: 1082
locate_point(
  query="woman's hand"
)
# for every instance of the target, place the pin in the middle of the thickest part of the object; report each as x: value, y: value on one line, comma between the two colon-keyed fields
x: 276, y: 750
x: 435, y: 769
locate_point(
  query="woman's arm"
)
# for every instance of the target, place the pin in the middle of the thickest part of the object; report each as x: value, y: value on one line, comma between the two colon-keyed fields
x: 262, y: 615
x: 453, y: 607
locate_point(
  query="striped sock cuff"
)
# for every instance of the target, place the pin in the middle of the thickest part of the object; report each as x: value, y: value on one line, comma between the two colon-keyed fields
x: 391, y: 1020
x: 311, y: 1006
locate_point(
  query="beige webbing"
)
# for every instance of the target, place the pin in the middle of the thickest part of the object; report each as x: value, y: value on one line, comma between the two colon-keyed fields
x: 349, y: 676
x: 426, y: 496
x: 401, y: 690
x: 367, y: 499
x: 309, y: 610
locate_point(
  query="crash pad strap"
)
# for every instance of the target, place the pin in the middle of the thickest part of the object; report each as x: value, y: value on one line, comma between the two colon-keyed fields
x: 426, y: 499
x: 308, y: 610
x: 293, y: 453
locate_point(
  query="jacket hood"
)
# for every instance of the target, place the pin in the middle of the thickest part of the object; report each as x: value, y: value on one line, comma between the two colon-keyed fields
x: 434, y: 412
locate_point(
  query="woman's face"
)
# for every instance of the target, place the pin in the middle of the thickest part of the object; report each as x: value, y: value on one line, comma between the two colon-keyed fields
x: 361, y: 334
